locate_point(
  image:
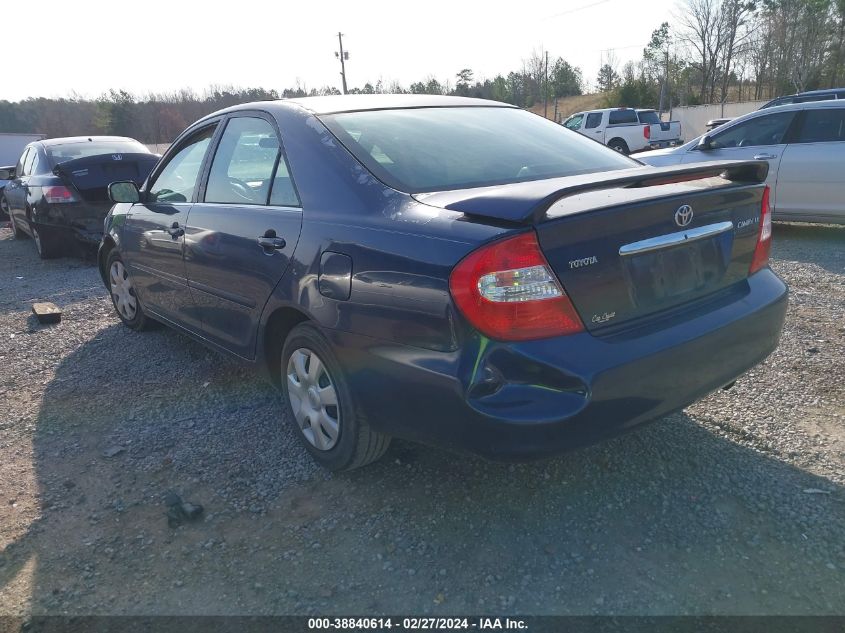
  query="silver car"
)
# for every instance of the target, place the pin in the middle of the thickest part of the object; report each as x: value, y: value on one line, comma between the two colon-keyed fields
x: 804, y: 144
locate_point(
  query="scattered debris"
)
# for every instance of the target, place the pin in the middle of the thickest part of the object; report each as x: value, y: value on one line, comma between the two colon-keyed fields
x: 179, y: 511
x: 47, y: 313
x: 816, y: 491
x: 113, y: 451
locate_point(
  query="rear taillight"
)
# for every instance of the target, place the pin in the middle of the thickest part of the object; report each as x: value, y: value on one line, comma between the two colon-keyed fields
x: 507, y: 291
x: 647, y: 132
x: 58, y: 194
x: 764, y: 236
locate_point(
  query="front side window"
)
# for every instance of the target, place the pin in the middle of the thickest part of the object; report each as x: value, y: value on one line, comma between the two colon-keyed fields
x: 822, y: 126
x: 593, y: 120
x: 244, y: 164
x: 575, y: 122
x: 762, y: 130
x: 19, y: 169
x: 178, y: 180
x: 436, y: 149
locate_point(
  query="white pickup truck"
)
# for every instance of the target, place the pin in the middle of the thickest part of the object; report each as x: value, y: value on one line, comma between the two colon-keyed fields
x: 626, y: 130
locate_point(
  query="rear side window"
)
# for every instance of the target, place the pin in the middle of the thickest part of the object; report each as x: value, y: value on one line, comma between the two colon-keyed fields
x: 593, y: 120
x: 36, y: 159
x: 436, y: 149
x: 178, y: 180
x: 649, y: 116
x: 822, y: 126
x: 623, y: 116
x: 761, y: 130
x: 810, y: 98
x: 27, y: 166
x: 244, y: 166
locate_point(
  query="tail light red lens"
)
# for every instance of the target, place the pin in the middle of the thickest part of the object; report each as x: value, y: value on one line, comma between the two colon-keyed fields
x: 58, y: 194
x: 647, y: 132
x: 764, y: 236
x: 507, y: 291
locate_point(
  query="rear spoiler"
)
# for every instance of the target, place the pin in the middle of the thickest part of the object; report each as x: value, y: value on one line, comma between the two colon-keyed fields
x: 527, y: 202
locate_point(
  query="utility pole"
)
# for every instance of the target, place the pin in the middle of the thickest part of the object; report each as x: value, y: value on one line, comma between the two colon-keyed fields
x: 546, y: 89
x: 342, y: 56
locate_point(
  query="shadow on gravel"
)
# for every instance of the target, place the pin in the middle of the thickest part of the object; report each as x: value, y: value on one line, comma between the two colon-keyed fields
x: 670, y: 519
x: 823, y: 245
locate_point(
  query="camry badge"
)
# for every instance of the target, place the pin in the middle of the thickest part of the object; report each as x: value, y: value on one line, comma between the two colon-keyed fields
x: 683, y: 216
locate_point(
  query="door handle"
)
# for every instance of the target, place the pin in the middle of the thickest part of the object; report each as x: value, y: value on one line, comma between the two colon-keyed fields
x: 270, y: 244
x: 765, y: 156
x: 176, y: 231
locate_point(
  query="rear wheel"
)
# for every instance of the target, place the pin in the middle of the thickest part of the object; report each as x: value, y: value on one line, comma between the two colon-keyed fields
x: 322, y: 407
x: 619, y: 145
x: 46, y: 242
x: 4, y: 206
x: 123, y: 296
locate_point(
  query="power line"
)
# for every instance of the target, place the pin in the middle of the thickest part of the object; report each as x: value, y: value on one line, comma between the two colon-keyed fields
x: 568, y: 11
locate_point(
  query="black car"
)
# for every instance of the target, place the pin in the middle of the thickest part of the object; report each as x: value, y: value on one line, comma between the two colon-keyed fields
x: 448, y: 270
x: 59, y: 189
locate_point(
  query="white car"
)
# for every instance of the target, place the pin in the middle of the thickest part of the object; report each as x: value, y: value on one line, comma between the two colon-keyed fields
x: 804, y: 144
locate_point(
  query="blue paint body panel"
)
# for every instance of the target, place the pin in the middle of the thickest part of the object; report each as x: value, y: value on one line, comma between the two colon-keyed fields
x: 370, y: 266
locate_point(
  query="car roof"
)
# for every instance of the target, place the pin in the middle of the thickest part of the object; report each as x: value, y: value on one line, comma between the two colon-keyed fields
x: 49, y: 142
x: 823, y: 91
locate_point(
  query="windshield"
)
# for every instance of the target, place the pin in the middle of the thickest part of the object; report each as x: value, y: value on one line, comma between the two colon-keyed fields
x: 437, y: 149
x: 82, y: 149
x: 649, y: 116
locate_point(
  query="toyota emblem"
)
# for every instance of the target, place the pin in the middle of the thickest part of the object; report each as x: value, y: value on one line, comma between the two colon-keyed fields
x: 683, y: 216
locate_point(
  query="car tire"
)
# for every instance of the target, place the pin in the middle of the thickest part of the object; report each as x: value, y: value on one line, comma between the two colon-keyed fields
x: 321, y: 406
x: 123, y: 297
x: 619, y: 145
x: 47, y: 244
x: 4, y: 207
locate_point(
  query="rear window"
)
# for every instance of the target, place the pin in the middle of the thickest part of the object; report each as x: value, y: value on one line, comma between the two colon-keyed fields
x: 82, y: 149
x: 437, y: 149
x: 623, y: 116
x: 649, y: 116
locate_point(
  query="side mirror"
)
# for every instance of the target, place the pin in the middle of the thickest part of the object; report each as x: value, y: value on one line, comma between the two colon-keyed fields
x: 124, y: 191
x: 705, y: 143
x: 7, y: 174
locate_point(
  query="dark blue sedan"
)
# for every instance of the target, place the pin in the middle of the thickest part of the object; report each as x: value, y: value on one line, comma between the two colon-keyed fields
x: 447, y: 270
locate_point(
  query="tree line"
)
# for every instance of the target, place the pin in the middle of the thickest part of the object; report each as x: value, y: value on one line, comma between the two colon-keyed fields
x: 713, y: 51
x: 159, y: 117
x: 733, y: 50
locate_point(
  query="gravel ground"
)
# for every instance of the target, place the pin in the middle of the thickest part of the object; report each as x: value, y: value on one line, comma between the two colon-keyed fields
x: 734, y: 506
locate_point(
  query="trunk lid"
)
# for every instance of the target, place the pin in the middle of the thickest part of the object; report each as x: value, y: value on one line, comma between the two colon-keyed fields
x: 629, y: 244
x: 92, y: 175
x: 628, y: 257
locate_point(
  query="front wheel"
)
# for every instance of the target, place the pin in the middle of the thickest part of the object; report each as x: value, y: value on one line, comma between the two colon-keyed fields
x: 333, y: 429
x: 4, y: 207
x: 123, y: 296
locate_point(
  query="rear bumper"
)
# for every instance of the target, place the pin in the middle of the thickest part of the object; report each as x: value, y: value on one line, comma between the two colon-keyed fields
x: 81, y: 220
x: 518, y: 401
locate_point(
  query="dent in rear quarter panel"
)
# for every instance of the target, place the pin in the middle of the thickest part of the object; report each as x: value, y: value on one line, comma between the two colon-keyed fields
x: 402, y: 251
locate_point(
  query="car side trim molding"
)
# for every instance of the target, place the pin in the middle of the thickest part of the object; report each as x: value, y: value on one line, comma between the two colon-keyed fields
x: 674, y: 239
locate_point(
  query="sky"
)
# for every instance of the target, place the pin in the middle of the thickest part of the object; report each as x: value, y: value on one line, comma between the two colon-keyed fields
x: 89, y: 46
